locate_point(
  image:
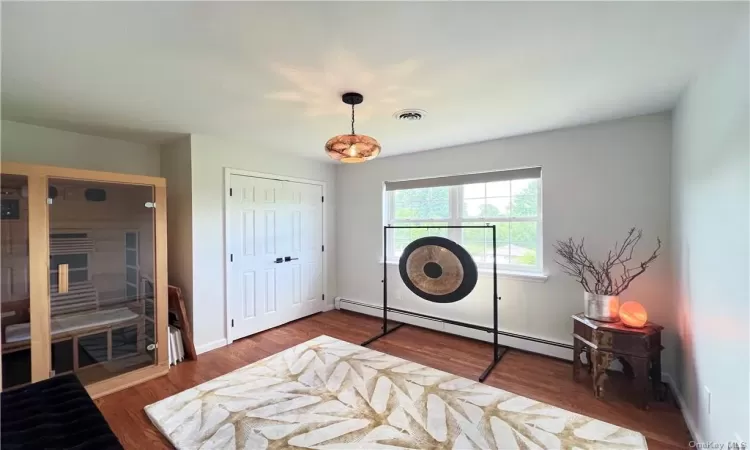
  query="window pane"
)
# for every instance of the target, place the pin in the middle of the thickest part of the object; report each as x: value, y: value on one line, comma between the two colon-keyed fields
x: 523, y: 253
x: 131, y: 275
x: 74, y: 261
x: 131, y: 258
x: 130, y: 240
x: 473, y: 207
x: 405, y: 236
x: 439, y: 203
x: 474, y: 190
x: 475, y: 240
x: 524, y: 187
x: 497, y: 207
x: 478, y: 242
x: 524, y: 206
x: 523, y: 237
x: 523, y: 232
x: 428, y: 203
x: 498, y: 189
x: 480, y: 208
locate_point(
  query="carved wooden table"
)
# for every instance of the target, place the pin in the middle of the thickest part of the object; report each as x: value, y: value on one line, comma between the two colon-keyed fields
x: 639, y: 350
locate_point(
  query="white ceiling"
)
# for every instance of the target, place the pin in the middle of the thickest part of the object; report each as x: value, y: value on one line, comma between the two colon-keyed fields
x: 271, y: 74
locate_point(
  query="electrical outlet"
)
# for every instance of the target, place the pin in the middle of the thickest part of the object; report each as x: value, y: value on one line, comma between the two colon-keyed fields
x: 708, y: 399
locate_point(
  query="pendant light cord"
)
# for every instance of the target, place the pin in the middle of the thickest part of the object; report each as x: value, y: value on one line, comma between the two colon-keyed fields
x: 352, y: 120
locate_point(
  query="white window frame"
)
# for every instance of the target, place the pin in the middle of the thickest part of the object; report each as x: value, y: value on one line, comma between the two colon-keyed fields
x: 455, y: 197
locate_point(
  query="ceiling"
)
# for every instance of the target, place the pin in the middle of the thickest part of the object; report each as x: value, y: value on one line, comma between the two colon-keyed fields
x: 271, y: 74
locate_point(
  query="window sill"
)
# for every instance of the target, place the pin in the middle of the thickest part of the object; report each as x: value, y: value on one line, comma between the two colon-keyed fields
x: 515, y: 275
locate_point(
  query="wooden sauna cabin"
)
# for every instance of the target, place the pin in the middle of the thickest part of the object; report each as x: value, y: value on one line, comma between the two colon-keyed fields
x: 84, y: 282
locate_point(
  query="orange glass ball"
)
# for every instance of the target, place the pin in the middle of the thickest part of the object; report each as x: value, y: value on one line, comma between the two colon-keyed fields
x: 633, y: 314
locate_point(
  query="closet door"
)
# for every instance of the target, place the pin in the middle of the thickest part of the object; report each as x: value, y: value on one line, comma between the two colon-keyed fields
x: 14, y: 293
x: 101, y: 278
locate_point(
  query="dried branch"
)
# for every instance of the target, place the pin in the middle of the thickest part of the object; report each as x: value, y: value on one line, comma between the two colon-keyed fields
x: 576, y: 262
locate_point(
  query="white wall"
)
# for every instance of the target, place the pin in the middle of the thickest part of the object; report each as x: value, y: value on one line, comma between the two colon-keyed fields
x: 710, y: 222
x: 176, y: 168
x: 598, y: 181
x: 39, y: 145
x: 209, y: 158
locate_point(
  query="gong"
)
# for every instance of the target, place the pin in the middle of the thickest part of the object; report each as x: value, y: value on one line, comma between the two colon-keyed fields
x: 437, y: 269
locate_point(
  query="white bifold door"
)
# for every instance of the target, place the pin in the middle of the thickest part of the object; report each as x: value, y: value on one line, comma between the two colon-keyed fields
x: 275, y: 243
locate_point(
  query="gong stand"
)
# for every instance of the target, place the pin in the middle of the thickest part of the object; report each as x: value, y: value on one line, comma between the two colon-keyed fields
x: 497, y: 350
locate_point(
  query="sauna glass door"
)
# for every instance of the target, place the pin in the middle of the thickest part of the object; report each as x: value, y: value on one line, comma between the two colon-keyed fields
x: 102, y: 311
x: 14, y: 296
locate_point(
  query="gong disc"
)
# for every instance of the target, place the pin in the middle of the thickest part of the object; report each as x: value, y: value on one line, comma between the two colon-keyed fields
x: 437, y: 269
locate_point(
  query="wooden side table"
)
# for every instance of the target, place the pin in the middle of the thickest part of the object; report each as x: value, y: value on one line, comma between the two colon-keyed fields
x: 639, y: 349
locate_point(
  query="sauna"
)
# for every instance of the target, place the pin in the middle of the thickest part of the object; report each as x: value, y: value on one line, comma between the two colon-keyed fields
x: 83, y: 276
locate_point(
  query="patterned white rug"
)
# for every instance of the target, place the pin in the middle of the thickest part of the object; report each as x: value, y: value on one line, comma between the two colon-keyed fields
x: 330, y: 394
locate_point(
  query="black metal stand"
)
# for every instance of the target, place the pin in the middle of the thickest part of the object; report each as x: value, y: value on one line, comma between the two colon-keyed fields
x: 497, y: 350
x: 375, y: 338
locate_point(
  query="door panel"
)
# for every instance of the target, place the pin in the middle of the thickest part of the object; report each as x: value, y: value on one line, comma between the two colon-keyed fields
x: 102, y: 303
x: 248, y: 233
x: 248, y: 293
x: 270, y: 291
x: 284, y: 223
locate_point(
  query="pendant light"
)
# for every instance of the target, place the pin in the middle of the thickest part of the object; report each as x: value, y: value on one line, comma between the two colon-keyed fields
x: 352, y: 148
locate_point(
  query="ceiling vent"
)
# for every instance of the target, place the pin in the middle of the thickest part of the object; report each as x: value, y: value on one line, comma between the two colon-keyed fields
x: 410, y: 114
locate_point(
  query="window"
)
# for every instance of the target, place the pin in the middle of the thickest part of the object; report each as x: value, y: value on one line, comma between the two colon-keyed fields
x: 70, y: 249
x: 131, y: 265
x: 511, y: 200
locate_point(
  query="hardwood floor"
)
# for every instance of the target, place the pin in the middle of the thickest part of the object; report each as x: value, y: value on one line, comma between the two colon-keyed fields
x: 539, y: 377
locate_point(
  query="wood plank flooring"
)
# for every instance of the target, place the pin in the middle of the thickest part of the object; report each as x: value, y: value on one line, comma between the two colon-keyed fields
x: 539, y: 377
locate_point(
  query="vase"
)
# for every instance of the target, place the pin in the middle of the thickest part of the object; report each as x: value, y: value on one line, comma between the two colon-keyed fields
x: 604, y: 308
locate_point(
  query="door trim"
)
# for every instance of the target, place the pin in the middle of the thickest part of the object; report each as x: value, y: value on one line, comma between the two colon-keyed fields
x: 228, y: 172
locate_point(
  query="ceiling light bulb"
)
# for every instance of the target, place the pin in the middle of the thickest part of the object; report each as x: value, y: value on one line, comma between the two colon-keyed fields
x: 353, y: 150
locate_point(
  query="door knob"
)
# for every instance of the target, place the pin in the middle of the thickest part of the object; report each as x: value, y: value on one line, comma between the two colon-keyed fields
x: 279, y: 260
x: 289, y: 258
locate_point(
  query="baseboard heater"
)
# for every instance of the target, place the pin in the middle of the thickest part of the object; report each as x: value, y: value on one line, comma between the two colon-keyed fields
x: 455, y: 322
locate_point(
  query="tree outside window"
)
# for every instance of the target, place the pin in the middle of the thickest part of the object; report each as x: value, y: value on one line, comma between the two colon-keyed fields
x: 512, y: 206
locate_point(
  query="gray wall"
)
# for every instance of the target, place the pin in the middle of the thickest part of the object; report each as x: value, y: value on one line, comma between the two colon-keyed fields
x: 710, y: 227
x: 598, y: 181
x: 39, y: 145
x: 210, y: 156
x: 176, y: 168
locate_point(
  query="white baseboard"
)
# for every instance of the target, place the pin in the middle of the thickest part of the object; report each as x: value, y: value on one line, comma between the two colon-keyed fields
x: 509, y: 341
x: 207, y: 347
x: 683, y: 407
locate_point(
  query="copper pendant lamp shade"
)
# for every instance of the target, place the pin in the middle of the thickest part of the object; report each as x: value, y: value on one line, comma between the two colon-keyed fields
x: 352, y: 148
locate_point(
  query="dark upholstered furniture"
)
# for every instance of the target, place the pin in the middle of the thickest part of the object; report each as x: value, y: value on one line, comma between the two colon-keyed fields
x: 53, y: 414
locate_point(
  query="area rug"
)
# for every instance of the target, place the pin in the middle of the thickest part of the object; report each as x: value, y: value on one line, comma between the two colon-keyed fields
x: 330, y: 394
